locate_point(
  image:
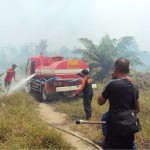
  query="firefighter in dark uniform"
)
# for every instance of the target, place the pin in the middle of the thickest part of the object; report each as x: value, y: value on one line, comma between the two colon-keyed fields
x: 86, y: 88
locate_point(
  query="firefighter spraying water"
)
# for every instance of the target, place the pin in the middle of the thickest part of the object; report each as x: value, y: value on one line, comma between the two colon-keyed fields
x: 9, y: 76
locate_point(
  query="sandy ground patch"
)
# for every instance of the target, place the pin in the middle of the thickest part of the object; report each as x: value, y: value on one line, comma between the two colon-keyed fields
x: 57, y: 119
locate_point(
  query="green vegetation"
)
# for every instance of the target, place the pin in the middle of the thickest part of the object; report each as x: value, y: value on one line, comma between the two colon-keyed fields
x: 21, y: 128
x: 74, y: 111
x: 101, y: 57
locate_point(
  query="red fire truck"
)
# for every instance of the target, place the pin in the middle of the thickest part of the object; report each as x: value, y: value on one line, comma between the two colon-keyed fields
x: 54, y: 76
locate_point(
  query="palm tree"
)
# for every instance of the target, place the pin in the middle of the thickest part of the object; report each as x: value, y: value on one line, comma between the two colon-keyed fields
x: 101, y: 57
x: 128, y: 48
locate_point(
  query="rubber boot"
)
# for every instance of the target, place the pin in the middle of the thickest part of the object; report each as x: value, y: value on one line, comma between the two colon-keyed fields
x: 88, y: 116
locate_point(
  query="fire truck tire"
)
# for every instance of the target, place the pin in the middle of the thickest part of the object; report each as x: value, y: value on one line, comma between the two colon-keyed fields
x: 44, y: 94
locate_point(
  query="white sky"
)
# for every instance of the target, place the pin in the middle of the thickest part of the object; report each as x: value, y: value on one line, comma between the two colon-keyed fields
x: 63, y: 22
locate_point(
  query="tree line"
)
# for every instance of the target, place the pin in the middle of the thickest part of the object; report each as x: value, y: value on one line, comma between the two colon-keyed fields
x: 100, y: 57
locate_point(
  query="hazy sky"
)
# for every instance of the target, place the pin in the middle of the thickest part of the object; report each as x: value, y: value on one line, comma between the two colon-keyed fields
x: 63, y: 22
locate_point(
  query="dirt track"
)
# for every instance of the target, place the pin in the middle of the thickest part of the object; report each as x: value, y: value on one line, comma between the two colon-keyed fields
x: 57, y: 119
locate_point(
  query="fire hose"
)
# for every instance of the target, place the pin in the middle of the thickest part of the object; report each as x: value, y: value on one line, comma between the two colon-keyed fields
x: 103, y: 123
x: 89, y: 122
x: 76, y: 135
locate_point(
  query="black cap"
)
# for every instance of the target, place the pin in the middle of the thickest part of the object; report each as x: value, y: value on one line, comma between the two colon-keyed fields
x: 14, y: 65
x: 85, y: 71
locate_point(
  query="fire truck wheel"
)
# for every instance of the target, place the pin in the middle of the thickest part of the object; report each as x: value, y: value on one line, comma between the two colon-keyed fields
x: 44, y: 94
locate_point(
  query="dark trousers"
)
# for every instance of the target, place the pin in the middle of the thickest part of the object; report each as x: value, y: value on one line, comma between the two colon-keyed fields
x: 7, y: 85
x: 87, y: 98
x: 113, y: 140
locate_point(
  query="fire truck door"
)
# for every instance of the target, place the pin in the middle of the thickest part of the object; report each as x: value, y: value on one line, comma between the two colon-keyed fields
x: 30, y: 69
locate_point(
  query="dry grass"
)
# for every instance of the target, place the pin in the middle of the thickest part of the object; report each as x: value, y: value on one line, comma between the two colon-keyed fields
x: 20, y: 127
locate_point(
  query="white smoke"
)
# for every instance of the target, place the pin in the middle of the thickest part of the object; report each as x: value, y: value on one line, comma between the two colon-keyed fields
x: 20, y: 85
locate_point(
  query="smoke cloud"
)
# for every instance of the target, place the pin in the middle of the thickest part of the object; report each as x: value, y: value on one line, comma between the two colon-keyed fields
x: 63, y: 22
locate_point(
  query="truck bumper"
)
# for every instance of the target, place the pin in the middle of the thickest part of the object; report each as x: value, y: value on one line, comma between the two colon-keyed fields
x: 70, y: 88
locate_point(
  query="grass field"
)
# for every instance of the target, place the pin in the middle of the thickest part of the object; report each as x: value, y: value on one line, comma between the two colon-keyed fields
x: 21, y: 128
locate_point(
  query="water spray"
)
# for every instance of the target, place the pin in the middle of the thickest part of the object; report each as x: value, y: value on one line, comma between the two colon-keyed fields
x: 20, y: 84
